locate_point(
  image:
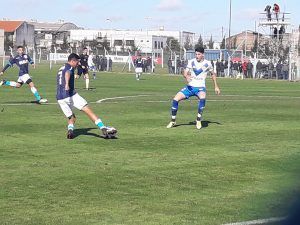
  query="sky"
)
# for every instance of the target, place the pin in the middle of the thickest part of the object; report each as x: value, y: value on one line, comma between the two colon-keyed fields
x: 205, y: 17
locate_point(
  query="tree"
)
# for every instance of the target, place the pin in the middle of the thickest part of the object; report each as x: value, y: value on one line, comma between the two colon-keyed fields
x: 173, y: 44
x: 222, y: 46
x: 211, y: 43
x: 255, y: 45
x: 106, y: 43
x: 200, y: 42
x: 187, y: 44
x: 65, y: 44
x: 8, y: 42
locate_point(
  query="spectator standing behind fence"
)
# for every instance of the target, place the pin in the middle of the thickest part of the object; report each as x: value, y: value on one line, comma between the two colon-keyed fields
x: 270, y: 70
x: 268, y: 12
x: 218, y: 68
x: 259, y: 67
x: 110, y: 62
x: 244, y: 68
x: 249, y: 69
x: 170, y: 66
x: 276, y: 10
x: 278, y: 70
x: 222, y: 69
x: 235, y: 69
x: 285, y: 70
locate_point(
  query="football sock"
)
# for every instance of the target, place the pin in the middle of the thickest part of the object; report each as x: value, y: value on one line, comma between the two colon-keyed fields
x: 10, y: 83
x: 36, y: 94
x: 71, y: 126
x: 201, y: 107
x: 87, y: 83
x: 99, y: 123
x: 174, y: 109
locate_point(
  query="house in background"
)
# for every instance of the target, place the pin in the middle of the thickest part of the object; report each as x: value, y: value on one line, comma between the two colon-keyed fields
x: 17, y: 33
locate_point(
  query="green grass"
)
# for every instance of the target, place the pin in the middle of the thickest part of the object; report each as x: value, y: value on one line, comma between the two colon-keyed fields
x: 242, y: 165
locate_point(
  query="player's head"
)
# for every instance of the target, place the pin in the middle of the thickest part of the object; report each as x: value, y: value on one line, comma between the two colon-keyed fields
x: 20, y: 50
x: 73, y: 59
x: 199, y: 52
x: 85, y: 50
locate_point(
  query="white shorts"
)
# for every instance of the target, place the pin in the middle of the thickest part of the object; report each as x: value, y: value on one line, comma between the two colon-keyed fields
x: 139, y: 70
x: 67, y: 104
x: 23, y: 78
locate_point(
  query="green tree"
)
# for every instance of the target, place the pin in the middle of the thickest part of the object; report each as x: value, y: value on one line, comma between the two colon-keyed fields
x: 211, y: 43
x: 173, y: 44
x: 222, y: 46
x: 106, y: 43
x: 65, y: 44
x: 187, y: 44
x: 200, y: 42
x: 8, y: 42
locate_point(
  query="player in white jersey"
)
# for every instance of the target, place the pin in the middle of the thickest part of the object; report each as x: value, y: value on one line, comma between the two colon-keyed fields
x: 195, y: 75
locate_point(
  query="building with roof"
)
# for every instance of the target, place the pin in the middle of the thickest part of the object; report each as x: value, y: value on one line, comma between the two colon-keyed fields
x: 146, y: 41
x: 17, y: 33
x: 1, y: 42
x: 51, y: 33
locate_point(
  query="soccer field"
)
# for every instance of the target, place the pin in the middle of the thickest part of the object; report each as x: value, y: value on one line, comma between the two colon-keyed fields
x: 242, y: 165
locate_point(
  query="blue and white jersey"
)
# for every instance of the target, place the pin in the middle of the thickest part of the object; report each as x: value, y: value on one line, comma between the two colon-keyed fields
x: 199, y: 71
x: 22, y: 61
x: 139, y: 63
x: 61, y: 82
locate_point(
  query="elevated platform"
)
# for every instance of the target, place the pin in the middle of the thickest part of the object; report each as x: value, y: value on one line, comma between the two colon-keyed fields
x: 265, y: 22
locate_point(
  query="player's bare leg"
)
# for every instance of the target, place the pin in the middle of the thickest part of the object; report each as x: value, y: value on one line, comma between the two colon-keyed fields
x: 108, y: 132
x: 87, y: 81
x: 36, y: 94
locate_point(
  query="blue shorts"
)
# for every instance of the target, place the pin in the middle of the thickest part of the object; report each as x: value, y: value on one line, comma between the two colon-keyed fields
x: 189, y: 91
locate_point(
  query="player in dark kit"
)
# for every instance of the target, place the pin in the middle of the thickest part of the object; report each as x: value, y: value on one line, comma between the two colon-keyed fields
x: 67, y: 98
x: 83, y: 68
x: 22, y: 60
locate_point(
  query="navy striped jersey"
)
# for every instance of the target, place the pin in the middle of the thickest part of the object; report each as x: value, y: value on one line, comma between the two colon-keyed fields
x: 61, y: 82
x: 84, y: 60
x: 22, y: 61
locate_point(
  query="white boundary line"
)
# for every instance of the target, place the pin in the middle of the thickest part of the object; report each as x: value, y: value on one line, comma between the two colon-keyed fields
x: 113, y: 98
x: 256, y: 222
x: 154, y: 101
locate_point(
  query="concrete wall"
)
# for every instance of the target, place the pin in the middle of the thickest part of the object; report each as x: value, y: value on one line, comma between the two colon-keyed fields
x: 25, y: 33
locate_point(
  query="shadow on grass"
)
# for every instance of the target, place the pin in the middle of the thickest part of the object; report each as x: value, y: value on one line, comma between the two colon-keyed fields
x: 86, y: 132
x: 205, y: 123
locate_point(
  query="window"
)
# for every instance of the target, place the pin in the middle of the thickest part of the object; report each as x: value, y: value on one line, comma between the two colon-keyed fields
x: 155, y: 44
x: 129, y: 42
x: 118, y: 42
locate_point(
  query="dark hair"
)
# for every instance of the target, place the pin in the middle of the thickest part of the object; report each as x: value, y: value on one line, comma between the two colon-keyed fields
x: 199, y: 49
x: 73, y: 56
x: 20, y: 46
x: 84, y: 48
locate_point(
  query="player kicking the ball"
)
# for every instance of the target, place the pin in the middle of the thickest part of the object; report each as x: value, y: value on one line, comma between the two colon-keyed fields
x: 67, y: 98
x: 195, y: 75
x: 22, y: 60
